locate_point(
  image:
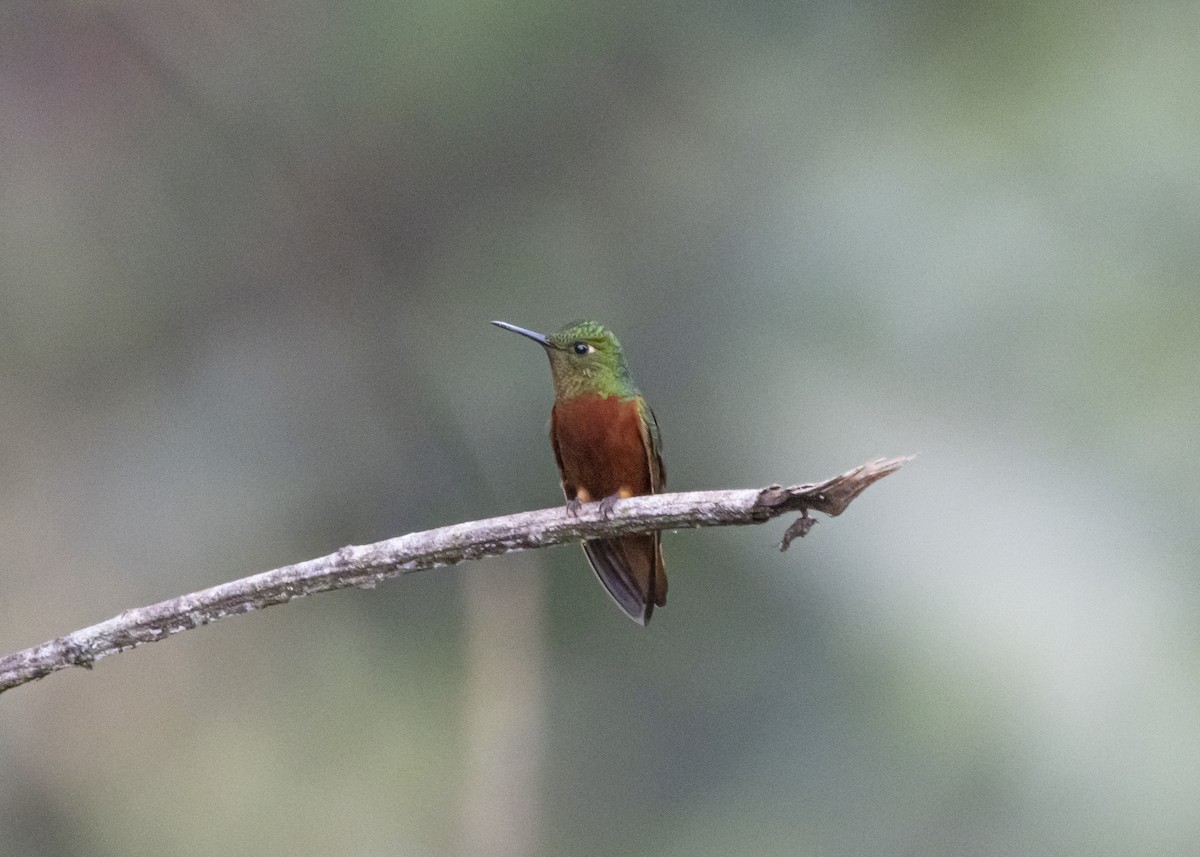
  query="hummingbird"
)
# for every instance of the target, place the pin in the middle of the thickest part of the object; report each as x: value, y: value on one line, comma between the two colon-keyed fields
x: 607, y: 447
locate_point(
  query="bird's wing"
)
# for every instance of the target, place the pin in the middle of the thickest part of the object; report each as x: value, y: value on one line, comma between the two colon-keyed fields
x: 652, y: 441
x: 569, y: 492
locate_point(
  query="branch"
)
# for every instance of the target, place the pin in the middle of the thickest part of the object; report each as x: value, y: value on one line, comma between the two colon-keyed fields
x: 365, y: 566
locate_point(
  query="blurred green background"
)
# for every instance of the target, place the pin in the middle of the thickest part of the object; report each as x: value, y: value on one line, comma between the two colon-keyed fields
x: 248, y: 253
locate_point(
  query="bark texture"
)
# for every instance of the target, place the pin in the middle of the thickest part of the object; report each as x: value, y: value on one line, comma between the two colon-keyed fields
x: 367, y: 565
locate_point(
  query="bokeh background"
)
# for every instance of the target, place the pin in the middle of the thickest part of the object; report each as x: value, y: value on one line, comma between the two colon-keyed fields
x: 248, y: 253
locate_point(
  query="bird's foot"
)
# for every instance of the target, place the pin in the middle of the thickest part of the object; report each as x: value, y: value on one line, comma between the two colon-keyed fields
x: 573, y: 507
x: 607, y: 504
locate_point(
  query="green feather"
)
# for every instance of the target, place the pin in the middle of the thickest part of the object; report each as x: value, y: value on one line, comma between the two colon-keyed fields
x: 601, y: 370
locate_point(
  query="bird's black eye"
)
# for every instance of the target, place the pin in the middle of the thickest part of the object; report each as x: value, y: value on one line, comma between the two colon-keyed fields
x: 580, y: 348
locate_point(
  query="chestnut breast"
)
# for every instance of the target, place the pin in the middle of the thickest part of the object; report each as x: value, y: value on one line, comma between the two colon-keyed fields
x: 599, y: 446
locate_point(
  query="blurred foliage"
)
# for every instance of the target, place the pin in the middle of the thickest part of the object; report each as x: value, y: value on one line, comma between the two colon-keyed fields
x: 248, y: 255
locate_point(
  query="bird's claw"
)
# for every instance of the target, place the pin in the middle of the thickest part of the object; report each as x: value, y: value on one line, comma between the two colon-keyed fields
x: 607, y: 504
x: 573, y: 507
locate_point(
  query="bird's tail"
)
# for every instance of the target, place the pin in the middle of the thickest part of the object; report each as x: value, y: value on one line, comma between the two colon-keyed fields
x: 631, y: 569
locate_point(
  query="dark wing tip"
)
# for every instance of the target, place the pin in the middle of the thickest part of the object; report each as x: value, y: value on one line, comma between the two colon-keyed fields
x: 606, y: 557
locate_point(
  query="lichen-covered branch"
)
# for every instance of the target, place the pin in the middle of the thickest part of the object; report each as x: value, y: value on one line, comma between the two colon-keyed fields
x: 365, y: 566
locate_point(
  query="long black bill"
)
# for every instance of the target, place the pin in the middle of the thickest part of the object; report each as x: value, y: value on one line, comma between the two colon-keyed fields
x: 539, y: 338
